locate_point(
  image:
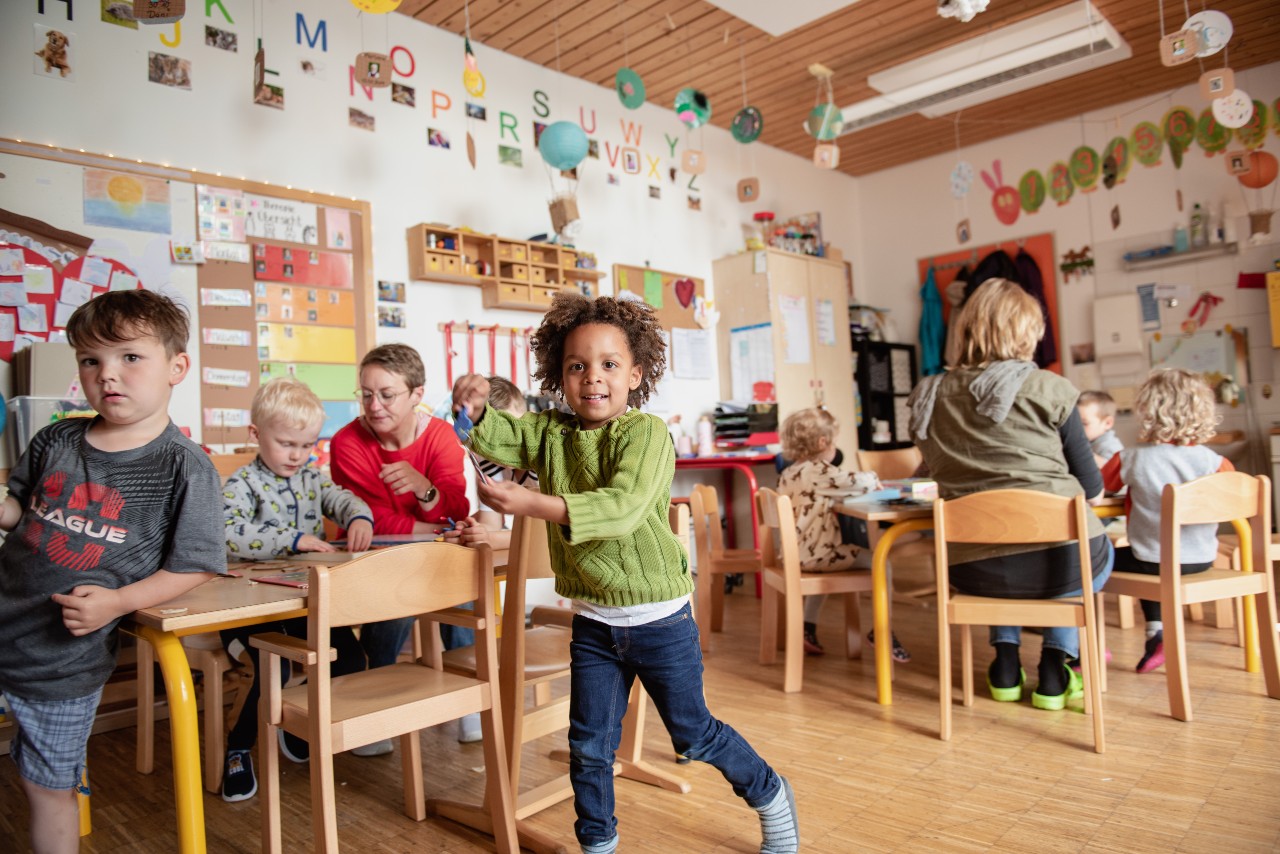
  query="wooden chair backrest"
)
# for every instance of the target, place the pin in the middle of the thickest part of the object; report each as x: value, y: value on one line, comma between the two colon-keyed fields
x: 891, y: 465
x: 704, y: 506
x: 678, y: 516
x: 779, y: 546
x: 228, y: 464
x: 1228, y: 496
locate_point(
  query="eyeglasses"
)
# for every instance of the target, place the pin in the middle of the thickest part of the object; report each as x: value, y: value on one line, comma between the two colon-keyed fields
x: 386, y: 398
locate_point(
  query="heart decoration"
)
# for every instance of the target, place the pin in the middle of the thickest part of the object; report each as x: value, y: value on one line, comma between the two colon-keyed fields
x: 684, y: 289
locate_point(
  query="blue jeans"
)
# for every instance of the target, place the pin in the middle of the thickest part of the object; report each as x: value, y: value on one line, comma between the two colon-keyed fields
x: 383, y: 641
x: 1063, y: 638
x: 605, y: 662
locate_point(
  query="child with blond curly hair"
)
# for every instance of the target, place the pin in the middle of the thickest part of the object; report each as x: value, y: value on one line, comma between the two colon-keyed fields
x: 1176, y: 414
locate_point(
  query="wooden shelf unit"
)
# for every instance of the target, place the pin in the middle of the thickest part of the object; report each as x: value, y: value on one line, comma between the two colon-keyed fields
x: 513, y: 274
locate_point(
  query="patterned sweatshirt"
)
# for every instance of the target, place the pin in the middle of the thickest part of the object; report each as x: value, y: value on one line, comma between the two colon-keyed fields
x: 267, y: 514
x: 817, y: 528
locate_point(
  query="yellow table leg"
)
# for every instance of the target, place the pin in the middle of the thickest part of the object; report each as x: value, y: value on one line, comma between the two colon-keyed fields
x: 188, y: 794
x: 82, y: 801
x: 1252, y: 653
x: 880, y: 603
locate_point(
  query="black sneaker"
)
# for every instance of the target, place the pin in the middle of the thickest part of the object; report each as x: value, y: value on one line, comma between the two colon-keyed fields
x: 295, y: 749
x: 238, y: 781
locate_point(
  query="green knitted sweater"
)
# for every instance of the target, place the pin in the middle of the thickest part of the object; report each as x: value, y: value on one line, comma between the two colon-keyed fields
x: 618, y: 548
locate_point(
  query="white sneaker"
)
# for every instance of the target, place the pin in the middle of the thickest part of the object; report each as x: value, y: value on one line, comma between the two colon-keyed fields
x: 377, y: 748
x: 469, y: 730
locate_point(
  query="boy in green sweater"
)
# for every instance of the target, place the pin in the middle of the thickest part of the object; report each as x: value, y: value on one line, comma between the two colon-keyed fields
x: 605, y: 479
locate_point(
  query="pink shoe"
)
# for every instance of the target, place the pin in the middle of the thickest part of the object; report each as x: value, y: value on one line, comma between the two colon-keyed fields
x: 1074, y: 663
x: 1154, y: 656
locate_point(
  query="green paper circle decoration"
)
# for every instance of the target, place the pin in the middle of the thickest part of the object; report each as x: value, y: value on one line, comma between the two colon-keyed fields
x: 1148, y: 144
x: 1211, y: 135
x: 1254, y: 133
x: 563, y: 145
x: 1031, y: 191
x: 747, y: 125
x: 1118, y: 152
x: 692, y: 108
x: 825, y: 122
x: 1086, y: 166
x: 1060, y: 187
x: 630, y: 88
x: 1179, y: 125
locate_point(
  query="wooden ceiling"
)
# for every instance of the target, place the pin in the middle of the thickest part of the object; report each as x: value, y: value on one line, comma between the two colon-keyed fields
x: 678, y: 43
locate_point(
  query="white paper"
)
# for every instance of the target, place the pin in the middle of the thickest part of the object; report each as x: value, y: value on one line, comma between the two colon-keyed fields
x: 228, y: 337
x: 13, y: 293
x: 7, y: 326
x: 75, y: 293
x: 33, y: 318
x: 825, y: 320
x: 227, y: 377
x: 11, y: 262
x: 761, y: 262
x: 280, y: 219
x: 96, y: 272
x: 62, y: 313
x: 691, y: 353
x: 122, y: 281
x: 222, y: 251
x: 23, y: 340
x: 795, y: 329
x: 750, y: 359
x: 39, y: 280
x: 226, y: 417
x: 226, y: 297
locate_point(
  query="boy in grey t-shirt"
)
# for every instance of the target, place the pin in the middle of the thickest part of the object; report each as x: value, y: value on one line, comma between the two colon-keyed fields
x: 1098, y: 417
x: 107, y: 516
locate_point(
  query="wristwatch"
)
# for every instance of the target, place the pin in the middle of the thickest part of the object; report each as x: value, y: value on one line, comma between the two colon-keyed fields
x: 429, y: 496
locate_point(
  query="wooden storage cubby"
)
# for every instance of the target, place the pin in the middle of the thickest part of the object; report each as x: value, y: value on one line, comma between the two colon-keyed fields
x: 514, y: 274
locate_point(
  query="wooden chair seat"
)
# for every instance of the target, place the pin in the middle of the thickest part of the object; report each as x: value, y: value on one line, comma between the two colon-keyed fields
x: 1207, y: 586
x: 546, y: 654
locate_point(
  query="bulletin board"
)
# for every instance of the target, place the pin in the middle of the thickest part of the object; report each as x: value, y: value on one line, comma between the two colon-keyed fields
x: 671, y: 295
x: 1038, y: 246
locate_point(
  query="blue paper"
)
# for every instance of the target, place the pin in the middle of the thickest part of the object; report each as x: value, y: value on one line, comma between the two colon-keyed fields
x: 462, y: 425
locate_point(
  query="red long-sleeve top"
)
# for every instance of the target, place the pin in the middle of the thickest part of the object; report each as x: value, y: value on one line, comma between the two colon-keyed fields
x: 358, y: 458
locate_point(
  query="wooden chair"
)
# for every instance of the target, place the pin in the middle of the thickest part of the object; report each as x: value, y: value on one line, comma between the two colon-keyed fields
x: 1245, y: 501
x: 891, y: 465
x: 337, y: 714
x: 1015, y: 516
x: 713, y: 562
x: 785, y: 585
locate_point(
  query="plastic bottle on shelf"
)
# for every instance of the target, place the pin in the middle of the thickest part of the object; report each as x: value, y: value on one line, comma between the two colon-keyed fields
x: 706, y: 437
x: 1199, y: 226
x: 1180, y: 243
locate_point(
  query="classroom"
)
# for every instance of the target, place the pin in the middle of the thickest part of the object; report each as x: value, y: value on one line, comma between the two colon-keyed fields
x: 805, y: 197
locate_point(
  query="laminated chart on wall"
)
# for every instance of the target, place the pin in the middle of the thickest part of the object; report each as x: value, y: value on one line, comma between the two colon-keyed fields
x: 310, y: 304
x: 751, y: 362
x: 336, y: 382
x: 301, y: 266
x: 296, y: 342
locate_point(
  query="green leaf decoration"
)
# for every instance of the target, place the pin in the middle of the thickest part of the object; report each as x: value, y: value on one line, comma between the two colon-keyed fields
x: 1085, y: 168
x: 1254, y: 133
x: 1060, y: 186
x: 1148, y: 143
x: 1032, y: 190
x: 1212, y: 136
x: 1119, y: 151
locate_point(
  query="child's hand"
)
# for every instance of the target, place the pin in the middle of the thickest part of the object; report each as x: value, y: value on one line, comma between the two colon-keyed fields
x: 88, y: 608
x: 402, y: 478
x: 312, y: 543
x: 360, y: 535
x: 471, y: 391
x: 504, y: 496
x: 467, y: 532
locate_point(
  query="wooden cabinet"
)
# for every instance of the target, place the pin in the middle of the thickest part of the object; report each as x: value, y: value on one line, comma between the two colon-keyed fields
x: 516, y: 274
x: 805, y: 303
x: 885, y: 374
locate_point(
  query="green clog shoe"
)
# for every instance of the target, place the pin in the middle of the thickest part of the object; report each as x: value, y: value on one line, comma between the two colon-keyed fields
x: 1057, y: 702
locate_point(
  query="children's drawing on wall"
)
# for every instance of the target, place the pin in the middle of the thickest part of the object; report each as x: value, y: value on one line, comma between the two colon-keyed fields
x: 401, y: 94
x: 476, y: 111
x: 612, y: 179
x: 359, y: 119
x: 695, y: 203
x: 390, y: 291
x: 538, y: 128
x: 118, y: 12
x: 655, y: 192
x: 391, y: 315
x: 593, y: 149
x: 312, y: 68
x: 53, y: 56
x: 169, y: 70
x: 337, y: 227
x: 119, y: 200
x: 221, y: 39
x: 1082, y: 354
x: 510, y: 156
x: 436, y: 138
x: 963, y: 232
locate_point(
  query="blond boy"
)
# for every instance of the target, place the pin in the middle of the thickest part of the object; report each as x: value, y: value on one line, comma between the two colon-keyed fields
x: 1098, y: 417
x: 107, y: 515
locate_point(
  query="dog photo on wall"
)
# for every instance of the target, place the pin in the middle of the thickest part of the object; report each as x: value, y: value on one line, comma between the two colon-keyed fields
x: 53, y: 53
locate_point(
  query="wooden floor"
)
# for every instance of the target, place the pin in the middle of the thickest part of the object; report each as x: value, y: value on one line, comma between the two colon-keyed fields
x: 867, y: 778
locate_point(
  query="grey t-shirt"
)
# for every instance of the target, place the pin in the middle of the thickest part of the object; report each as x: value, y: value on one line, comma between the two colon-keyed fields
x: 99, y: 518
x: 1107, y: 445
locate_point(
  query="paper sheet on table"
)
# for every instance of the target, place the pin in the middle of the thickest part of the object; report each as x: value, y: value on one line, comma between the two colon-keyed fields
x: 795, y: 329
x: 691, y: 353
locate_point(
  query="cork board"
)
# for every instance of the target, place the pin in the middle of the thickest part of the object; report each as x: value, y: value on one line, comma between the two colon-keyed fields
x: 672, y: 295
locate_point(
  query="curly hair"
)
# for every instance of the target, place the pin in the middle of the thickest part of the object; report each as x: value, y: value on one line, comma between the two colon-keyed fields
x: 570, y: 310
x: 1176, y: 407
x: 803, y: 431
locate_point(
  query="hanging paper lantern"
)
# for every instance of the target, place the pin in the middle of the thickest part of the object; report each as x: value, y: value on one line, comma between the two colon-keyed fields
x: 376, y: 7
x: 1148, y: 144
x: 825, y: 122
x: 1118, y: 150
x: 747, y: 125
x: 1060, y: 187
x: 1211, y: 135
x: 1179, y: 127
x: 692, y: 108
x: 961, y: 179
x: 1085, y: 168
x: 630, y: 88
x: 1031, y: 190
x: 1262, y: 170
x: 563, y: 145
x: 1254, y: 132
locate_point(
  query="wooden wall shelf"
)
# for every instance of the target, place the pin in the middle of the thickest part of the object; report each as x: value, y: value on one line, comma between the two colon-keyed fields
x: 514, y: 274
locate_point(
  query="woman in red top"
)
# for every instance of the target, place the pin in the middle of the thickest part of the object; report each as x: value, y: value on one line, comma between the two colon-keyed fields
x: 405, y: 464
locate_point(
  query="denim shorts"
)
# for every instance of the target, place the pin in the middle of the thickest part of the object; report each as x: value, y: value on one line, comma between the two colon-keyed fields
x: 49, y: 747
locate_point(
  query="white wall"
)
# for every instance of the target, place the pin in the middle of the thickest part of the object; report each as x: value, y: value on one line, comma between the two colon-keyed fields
x: 110, y: 107
x: 908, y: 213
